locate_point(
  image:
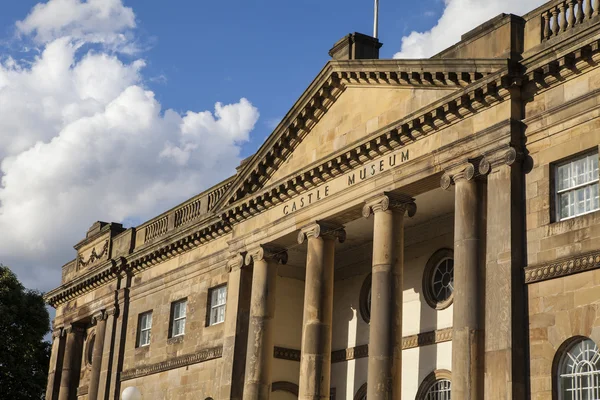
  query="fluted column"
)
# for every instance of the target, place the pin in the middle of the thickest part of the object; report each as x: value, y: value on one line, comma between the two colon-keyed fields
x: 235, y: 330
x: 98, y: 319
x: 315, y: 359
x: 54, y: 371
x: 71, y: 362
x: 467, y: 339
x: 259, y: 358
x: 385, y: 332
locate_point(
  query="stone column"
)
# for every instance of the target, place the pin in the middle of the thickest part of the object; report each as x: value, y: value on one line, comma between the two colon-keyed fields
x: 385, y: 331
x: 235, y: 335
x: 259, y: 357
x: 56, y: 358
x: 467, y: 339
x: 72, y: 362
x: 120, y: 335
x: 99, y: 319
x: 505, y: 318
x: 315, y: 359
x: 107, y: 352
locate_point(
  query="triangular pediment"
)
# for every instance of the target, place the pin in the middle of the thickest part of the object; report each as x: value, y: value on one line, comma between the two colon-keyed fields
x: 346, y: 102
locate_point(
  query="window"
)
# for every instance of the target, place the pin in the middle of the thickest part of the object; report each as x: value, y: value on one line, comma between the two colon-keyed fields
x: 217, y: 300
x: 438, y: 279
x: 89, y: 354
x: 576, y: 186
x: 144, y: 327
x: 436, y: 386
x: 178, y: 318
x: 364, y: 300
x: 440, y: 390
x: 579, y: 371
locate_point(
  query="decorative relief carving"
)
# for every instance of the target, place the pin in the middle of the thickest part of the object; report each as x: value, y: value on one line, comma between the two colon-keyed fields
x: 286, y: 354
x: 93, y: 257
x: 563, y: 267
x: 390, y: 201
x: 177, y: 362
x: 322, y: 229
x: 362, y: 351
x: 267, y: 252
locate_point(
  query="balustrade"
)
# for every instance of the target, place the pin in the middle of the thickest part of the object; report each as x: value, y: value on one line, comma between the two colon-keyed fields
x: 566, y: 15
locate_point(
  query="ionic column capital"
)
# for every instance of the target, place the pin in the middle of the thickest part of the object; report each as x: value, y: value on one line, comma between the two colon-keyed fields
x: 236, y: 262
x: 389, y: 201
x: 114, y: 311
x: 320, y: 229
x: 99, y: 316
x: 73, y: 329
x: 268, y: 253
x: 464, y: 171
x: 58, y: 332
x: 504, y: 156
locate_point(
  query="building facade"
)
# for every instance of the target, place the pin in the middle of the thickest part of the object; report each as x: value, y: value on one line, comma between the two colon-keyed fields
x: 415, y: 229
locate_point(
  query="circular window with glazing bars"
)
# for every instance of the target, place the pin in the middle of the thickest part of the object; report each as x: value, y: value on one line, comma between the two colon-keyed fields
x: 365, y: 299
x: 438, y: 279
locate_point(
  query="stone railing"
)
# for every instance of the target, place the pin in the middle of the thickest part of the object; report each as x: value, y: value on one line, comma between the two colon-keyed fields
x: 192, y: 210
x: 156, y: 229
x: 562, y: 16
x: 188, y: 212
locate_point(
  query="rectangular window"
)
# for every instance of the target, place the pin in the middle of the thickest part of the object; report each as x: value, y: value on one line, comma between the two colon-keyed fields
x: 178, y: 317
x: 217, y: 298
x: 144, y: 327
x: 576, y: 186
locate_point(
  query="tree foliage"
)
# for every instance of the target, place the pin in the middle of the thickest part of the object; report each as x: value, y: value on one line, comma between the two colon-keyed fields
x: 24, y: 355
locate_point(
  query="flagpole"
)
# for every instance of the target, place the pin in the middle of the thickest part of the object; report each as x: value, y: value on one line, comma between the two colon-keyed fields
x: 376, y: 20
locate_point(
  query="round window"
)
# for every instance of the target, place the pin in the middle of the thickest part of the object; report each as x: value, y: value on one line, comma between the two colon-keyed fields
x: 89, y: 354
x: 438, y: 279
x: 365, y: 299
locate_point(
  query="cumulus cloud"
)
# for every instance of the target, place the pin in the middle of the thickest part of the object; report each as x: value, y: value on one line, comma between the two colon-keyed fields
x: 459, y: 17
x: 95, y: 21
x: 82, y: 139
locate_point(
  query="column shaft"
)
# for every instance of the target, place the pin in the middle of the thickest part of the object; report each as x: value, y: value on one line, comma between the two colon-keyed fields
x: 97, y: 356
x: 107, y: 353
x: 315, y: 359
x: 385, y: 331
x: 259, y: 358
x: 56, y: 359
x: 467, y: 340
x: 71, y: 363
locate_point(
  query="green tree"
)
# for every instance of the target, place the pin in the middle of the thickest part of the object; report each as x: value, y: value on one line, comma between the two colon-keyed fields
x: 24, y: 355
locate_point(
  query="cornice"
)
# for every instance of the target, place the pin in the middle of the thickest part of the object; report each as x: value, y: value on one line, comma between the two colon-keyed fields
x: 327, y: 87
x: 176, y: 362
x: 83, y: 284
x: 563, y: 267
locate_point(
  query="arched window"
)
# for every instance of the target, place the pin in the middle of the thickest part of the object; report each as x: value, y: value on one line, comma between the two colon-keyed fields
x: 579, y: 370
x: 436, y: 386
x: 361, y: 393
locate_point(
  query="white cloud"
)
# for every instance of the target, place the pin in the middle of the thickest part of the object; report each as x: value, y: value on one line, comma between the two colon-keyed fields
x: 82, y: 139
x: 96, y: 21
x: 459, y: 17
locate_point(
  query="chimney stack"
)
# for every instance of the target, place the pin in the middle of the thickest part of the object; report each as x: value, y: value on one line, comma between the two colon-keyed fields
x: 356, y: 46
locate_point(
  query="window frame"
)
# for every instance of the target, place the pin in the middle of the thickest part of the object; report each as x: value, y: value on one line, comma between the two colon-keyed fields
x: 436, y: 259
x: 210, y: 307
x: 174, y: 320
x: 559, y: 363
x: 555, y: 193
x: 138, y: 343
x: 430, y: 380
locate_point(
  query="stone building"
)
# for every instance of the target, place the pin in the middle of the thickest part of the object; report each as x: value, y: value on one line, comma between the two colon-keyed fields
x: 415, y: 229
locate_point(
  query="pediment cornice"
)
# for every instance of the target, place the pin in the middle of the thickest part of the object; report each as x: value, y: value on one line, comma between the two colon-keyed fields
x: 331, y: 82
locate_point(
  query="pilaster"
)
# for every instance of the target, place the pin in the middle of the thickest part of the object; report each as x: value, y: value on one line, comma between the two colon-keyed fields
x: 259, y: 358
x: 71, y: 362
x: 98, y: 319
x: 56, y: 361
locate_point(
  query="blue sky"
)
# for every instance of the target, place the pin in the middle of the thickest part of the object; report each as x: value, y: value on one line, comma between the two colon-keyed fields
x: 117, y: 110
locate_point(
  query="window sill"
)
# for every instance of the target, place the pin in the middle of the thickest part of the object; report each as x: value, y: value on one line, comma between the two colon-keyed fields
x: 142, y: 349
x: 216, y: 324
x: 576, y: 218
x: 175, y: 340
